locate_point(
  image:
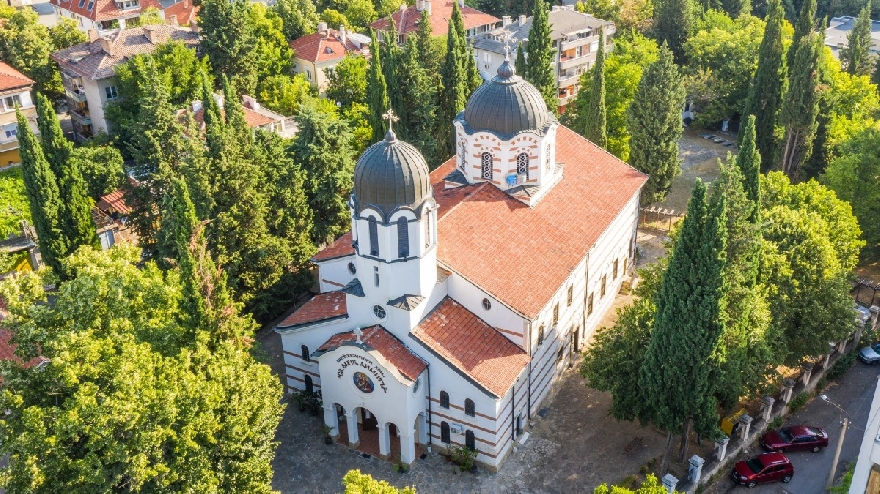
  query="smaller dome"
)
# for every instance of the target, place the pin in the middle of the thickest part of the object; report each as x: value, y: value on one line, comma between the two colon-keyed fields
x: 389, y: 175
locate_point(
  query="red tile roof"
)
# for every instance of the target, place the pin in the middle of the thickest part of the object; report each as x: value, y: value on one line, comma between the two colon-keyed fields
x: 13, y: 79
x: 324, y: 46
x: 252, y: 118
x: 7, y: 350
x: 114, y: 202
x: 322, y: 306
x: 473, y: 347
x: 407, y: 21
x: 379, y: 339
x: 340, y: 247
x: 105, y: 10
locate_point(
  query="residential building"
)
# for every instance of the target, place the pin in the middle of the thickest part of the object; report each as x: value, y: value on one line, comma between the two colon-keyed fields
x: 406, y: 19
x: 575, y: 38
x: 87, y: 69
x: 255, y: 115
x: 461, y: 295
x: 111, y: 15
x: 15, y: 92
x: 840, y: 27
x: 316, y: 53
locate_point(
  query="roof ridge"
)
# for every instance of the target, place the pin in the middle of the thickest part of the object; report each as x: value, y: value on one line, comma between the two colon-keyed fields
x: 470, y: 194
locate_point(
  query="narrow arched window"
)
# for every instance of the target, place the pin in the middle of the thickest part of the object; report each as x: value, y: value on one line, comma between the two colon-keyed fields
x: 469, y: 407
x: 305, y: 354
x: 570, y: 294
x: 402, y: 237
x: 541, y: 334
x: 444, y: 433
x: 547, y: 157
x: 310, y: 386
x: 470, y: 441
x: 374, y: 236
x: 486, y: 162
x: 444, y: 399
x: 522, y: 164
x: 555, y: 314
x: 614, y: 277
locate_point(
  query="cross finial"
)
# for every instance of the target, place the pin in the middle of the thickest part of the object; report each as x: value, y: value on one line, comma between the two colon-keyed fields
x: 507, y: 42
x: 357, y: 333
x: 391, y: 117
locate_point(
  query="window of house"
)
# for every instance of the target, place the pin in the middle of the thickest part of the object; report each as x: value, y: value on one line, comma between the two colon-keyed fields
x: 470, y: 441
x: 602, y: 287
x: 402, y: 237
x: 374, y: 236
x: 10, y: 133
x: 570, y: 294
x: 379, y: 311
x: 547, y: 158
x: 12, y: 101
x: 81, y: 3
x: 305, y: 353
x: 444, y: 433
x: 555, y: 314
x: 487, y: 166
x: 444, y: 400
x: 522, y: 164
x: 111, y: 92
x: 310, y: 386
x: 590, y: 305
x: 91, y: 5
x: 487, y: 304
x: 624, y: 266
x: 469, y: 408
x: 428, y: 230
x: 351, y: 268
x: 376, y: 274
x: 541, y: 335
x: 614, y: 271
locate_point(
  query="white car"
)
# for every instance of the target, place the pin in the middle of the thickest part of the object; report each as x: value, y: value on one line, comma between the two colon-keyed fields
x: 869, y: 355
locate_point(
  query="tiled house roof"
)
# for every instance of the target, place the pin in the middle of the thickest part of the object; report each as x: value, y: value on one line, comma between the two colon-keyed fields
x: 407, y: 21
x: 11, y: 79
x: 98, y: 59
x: 114, y: 202
x: 340, y: 247
x: 325, y: 46
x: 379, y: 339
x: 7, y: 350
x: 321, y: 307
x: 471, y: 346
x: 105, y: 10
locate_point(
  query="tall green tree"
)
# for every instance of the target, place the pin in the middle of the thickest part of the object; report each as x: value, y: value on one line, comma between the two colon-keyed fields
x: 230, y: 41
x: 391, y: 54
x: 76, y: 211
x: 765, y: 93
x: 674, y: 24
x: 418, y: 93
x: 41, y: 188
x: 25, y: 44
x: 377, y: 91
x: 690, y: 319
x: 654, y: 120
x: 805, y: 24
x: 101, y: 168
x: 454, y: 82
x: 519, y: 64
x: 856, y: 57
x: 748, y: 160
x: 736, y: 8
x: 347, y: 82
x: 475, y: 80
x: 428, y: 47
x: 801, y: 105
x: 595, y: 117
x: 541, y: 55
x: 300, y: 17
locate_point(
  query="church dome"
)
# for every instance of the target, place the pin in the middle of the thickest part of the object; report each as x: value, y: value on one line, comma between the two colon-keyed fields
x: 389, y: 175
x: 507, y: 105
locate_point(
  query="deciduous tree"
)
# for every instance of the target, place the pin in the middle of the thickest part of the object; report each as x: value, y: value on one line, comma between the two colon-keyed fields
x: 299, y: 16
x: 230, y: 41
x: 347, y: 82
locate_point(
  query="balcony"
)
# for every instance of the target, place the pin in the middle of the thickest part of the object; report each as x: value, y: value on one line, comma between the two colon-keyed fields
x: 77, y: 94
x: 568, y: 80
x: 81, y: 116
x: 569, y: 62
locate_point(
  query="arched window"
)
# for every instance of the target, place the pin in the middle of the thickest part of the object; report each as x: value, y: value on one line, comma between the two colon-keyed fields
x: 470, y: 441
x: 444, y: 433
x: 522, y: 164
x: 590, y: 305
x: 541, y: 334
x: 402, y: 237
x: 469, y: 407
x: 444, y: 399
x: 602, y: 287
x: 547, y: 158
x: 486, y: 162
x: 614, y: 277
x: 305, y: 353
x: 352, y: 268
x: 570, y: 294
x: 310, y: 386
x: 555, y: 314
x: 374, y: 236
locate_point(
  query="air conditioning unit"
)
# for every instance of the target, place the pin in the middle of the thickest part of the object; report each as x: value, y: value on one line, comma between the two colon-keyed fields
x: 456, y: 429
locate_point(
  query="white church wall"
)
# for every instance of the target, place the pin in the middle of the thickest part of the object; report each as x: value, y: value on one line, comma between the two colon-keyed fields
x: 295, y: 366
x: 333, y: 274
x: 499, y: 316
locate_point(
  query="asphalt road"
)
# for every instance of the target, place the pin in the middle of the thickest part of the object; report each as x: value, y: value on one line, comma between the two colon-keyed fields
x: 853, y: 392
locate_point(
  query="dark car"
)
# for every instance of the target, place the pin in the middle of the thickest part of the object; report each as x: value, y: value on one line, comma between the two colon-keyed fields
x: 760, y: 469
x: 795, y: 438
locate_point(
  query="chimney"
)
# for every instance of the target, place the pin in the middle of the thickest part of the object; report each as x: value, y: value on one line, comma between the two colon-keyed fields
x: 106, y: 45
x: 403, y: 7
x: 420, y: 5
x: 152, y: 35
x: 505, y: 21
x: 196, y: 105
x: 322, y: 28
x: 194, y: 26
x: 172, y: 20
x: 342, y: 36
x: 555, y: 8
x: 249, y: 102
x: 461, y: 4
x: 219, y: 99
x: 427, y: 4
x: 93, y: 35
x: 522, y: 19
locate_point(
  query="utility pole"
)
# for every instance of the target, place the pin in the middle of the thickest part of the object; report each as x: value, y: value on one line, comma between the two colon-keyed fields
x: 844, y: 422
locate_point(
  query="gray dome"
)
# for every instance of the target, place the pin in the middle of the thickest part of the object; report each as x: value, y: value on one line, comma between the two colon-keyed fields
x: 507, y: 105
x: 391, y: 174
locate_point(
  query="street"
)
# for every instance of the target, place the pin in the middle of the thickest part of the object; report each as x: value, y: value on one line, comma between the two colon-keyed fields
x: 853, y: 392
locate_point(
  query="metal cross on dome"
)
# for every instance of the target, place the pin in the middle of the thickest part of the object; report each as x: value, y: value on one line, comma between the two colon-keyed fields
x: 507, y: 42
x: 391, y: 117
x: 358, y: 332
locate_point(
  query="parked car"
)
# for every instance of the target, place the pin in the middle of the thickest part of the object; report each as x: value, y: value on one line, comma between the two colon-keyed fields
x: 761, y: 469
x: 869, y: 355
x: 795, y: 438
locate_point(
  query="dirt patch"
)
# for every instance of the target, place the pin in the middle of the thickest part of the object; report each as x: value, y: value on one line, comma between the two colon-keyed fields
x: 699, y: 160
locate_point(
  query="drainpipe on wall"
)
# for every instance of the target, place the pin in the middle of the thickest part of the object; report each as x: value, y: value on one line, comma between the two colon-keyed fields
x: 428, y: 378
x: 529, y: 377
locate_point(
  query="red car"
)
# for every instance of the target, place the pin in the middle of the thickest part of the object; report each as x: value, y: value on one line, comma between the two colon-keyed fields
x: 794, y: 438
x: 760, y: 469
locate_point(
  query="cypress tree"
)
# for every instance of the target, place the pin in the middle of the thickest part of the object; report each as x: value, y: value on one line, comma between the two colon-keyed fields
x: 43, y: 197
x: 748, y: 160
x: 520, y: 63
x: 428, y: 51
x: 455, y: 83
x: 875, y: 77
x: 654, y: 122
x: 419, y: 98
x: 595, y: 118
x: 377, y: 91
x: 673, y: 24
x: 213, y: 120
x: 765, y: 92
x: 675, y: 375
x: 804, y: 25
x: 475, y: 80
x: 736, y: 8
x: 801, y: 105
x: 541, y: 55
x: 856, y: 57
x: 391, y: 54
x: 77, y: 224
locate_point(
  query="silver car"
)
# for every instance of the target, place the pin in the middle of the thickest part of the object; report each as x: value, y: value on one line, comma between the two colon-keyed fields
x: 868, y: 355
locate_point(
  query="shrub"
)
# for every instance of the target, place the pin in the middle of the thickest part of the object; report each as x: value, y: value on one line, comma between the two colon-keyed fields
x: 840, y: 367
x: 775, y: 423
x: 845, y: 481
x: 462, y: 456
x: 799, y: 401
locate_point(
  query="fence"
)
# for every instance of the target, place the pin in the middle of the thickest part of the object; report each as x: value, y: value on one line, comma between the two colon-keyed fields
x: 865, y: 292
x: 658, y: 218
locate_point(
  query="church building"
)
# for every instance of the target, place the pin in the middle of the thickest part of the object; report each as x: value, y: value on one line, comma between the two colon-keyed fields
x: 460, y: 295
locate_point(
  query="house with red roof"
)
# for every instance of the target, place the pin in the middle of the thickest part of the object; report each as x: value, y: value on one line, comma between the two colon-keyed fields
x: 462, y: 294
x: 15, y: 92
x: 407, y: 18
x: 317, y: 53
x: 255, y: 115
x: 105, y: 16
